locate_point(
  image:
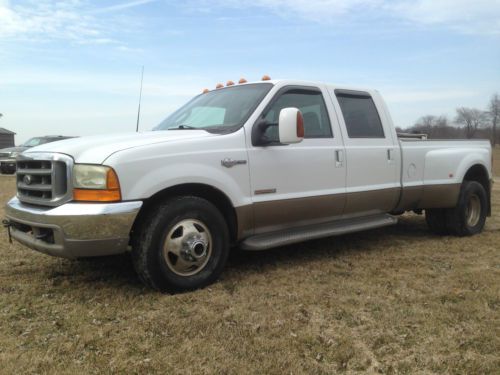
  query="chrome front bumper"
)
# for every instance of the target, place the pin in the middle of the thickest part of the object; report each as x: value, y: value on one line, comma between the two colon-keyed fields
x: 73, y: 230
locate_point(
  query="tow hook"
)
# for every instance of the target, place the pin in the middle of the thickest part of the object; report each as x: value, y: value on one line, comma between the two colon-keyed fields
x: 7, y: 224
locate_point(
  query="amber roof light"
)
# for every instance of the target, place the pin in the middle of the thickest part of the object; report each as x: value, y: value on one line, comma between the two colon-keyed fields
x: 229, y: 83
x: 242, y: 80
x: 266, y: 78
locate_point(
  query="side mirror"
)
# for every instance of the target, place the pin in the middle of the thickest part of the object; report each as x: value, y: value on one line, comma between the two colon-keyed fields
x: 291, y: 126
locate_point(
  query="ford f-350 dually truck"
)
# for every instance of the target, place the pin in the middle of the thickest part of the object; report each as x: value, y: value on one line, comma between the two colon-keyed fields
x: 253, y: 165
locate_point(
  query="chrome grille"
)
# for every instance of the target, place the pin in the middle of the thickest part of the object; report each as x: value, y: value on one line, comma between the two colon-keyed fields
x: 4, y: 154
x: 43, y: 179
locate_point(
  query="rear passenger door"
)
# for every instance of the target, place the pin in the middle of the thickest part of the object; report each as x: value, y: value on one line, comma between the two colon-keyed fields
x: 372, y: 155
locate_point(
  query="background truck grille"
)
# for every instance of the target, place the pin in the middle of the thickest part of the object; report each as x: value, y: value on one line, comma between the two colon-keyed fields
x: 43, y: 182
x: 4, y: 154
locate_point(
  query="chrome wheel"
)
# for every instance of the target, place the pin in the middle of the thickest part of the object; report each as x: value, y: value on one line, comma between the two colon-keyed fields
x: 187, y: 247
x: 473, y: 211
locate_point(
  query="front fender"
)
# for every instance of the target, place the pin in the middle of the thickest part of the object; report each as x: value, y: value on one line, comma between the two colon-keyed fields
x: 154, y: 181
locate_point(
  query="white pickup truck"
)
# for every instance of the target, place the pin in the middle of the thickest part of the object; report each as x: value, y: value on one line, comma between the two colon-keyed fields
x: 255, y: 165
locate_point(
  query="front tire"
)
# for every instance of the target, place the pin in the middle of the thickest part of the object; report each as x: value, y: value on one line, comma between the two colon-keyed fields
x: 183, y: 244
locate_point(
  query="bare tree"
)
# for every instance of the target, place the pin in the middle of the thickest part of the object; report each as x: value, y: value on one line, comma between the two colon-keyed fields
x: 435, y: 127
x: 425, y: 125
x: 494, y: 114
x: 472, y: 119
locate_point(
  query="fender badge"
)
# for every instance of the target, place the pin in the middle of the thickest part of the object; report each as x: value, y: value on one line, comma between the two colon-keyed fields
x: 229, y: 163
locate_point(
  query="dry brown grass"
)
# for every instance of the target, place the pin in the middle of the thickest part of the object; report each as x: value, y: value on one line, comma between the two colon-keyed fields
x: 394, y: 300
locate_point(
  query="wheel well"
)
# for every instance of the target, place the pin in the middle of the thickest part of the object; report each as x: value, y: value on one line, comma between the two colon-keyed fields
x: 479, y: 174
x: 211, y: 194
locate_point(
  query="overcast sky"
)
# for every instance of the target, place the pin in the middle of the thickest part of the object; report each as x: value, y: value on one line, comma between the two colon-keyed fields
x: 73, y: 67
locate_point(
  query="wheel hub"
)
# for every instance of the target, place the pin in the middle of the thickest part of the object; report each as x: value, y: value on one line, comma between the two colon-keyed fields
x: 195, y: 248
x: 473, y: 211
x: 187, y: 247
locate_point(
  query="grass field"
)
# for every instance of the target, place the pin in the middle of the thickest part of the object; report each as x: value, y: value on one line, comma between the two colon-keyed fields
x: 393, y: 300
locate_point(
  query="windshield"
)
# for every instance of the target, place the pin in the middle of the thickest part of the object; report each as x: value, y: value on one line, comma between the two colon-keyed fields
x: 32, y: 142
x: 222, y: 110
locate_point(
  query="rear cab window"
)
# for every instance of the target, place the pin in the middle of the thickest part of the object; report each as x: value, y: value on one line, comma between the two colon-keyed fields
x: 360, y: 114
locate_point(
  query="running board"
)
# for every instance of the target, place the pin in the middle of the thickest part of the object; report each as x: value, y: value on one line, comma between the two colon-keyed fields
x: 294, y: 235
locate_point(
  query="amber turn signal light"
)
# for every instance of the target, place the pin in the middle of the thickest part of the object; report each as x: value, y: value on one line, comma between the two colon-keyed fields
x: 85, y: 195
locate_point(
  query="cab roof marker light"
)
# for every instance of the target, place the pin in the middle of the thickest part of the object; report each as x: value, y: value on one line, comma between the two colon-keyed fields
x: 265, y: 77
x: 242, y: 80
x: 205, y: 91
x: 219, y: 86
x: 229, y: 83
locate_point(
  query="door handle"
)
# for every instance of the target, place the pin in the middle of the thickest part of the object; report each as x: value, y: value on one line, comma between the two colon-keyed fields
x: 390, y: 155
x: 339, y: 158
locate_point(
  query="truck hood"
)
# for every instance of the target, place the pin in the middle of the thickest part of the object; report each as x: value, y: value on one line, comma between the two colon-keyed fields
x: 96, y: 149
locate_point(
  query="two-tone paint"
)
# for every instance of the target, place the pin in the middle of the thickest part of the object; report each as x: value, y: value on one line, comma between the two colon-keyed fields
x: 275, y: 187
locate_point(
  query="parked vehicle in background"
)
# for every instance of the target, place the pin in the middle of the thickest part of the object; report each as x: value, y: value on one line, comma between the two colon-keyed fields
x: 8, y: 155
x: 254, y: 165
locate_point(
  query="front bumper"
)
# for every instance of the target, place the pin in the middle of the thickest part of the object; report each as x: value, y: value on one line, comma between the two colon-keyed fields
x: 73, y: 230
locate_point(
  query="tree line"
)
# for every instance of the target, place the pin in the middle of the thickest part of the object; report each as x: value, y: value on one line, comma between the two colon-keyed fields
x: 467, y: 123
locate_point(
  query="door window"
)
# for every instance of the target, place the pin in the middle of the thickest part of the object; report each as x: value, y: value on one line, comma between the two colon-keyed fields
x: 360, y: 116
x: 313, y: 108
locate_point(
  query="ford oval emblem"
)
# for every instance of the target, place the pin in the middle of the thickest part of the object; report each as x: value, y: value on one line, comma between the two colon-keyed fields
x: 27, y: 179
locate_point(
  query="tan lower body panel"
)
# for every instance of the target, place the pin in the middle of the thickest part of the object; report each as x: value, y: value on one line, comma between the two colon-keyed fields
x: 429, y: 196
x: 372, y: 201
x: 286, y: 213
x: 276, y: 215
x: 244, y: 216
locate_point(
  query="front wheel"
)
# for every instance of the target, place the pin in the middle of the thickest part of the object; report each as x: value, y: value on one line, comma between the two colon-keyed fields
x: 182, y: 245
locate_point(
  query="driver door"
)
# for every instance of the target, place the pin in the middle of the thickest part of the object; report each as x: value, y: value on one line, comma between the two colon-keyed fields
x: 303, y: 183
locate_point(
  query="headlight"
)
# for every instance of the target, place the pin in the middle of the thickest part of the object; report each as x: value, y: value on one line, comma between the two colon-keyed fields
x: 95, y: 183
x: 14, y: 154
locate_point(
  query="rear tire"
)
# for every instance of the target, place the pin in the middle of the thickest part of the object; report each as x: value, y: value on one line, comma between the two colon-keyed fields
x: 469, y: 216
x: 183, y: 244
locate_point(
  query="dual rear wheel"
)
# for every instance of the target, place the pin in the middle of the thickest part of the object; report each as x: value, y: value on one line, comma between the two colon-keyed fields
x: 466, y: 218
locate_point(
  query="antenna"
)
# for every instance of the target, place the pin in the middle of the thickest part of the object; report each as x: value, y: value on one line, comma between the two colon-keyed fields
x: 140, y: 98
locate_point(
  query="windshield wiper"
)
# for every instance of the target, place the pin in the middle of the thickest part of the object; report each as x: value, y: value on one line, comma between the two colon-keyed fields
x: 184, y: 127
